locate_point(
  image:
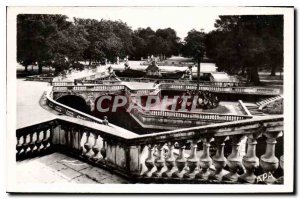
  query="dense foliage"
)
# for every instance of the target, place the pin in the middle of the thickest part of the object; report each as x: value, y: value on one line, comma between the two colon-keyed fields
x: 247, y: 44
x: 54, y: 40
x: 239, y: 43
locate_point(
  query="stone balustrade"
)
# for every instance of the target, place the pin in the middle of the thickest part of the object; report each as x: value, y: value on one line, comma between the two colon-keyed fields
x: 213, y: 87
x: 191, y: 155
x: 179, y: 81
x: 36, y: 141
x: 222, y: 89
x: 159, y: 118
x: 39, y: 78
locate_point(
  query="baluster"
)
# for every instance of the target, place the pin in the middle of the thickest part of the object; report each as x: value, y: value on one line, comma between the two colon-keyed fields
x: 87, y: 145
x: 67, y: 131
x: 31, y: 143
x: 19, y: 146
x: 281, y: 179
x: 25, y: 145
x: 250, y: 160
x: 180, y: 161
x: 170, y: 161
x: 149, y: 162
x: 234, y: 160
x: 159, y: 161
x: 192, y: 161
x: 96, y: 149
x: 268, y: 161
x: 45, y: 140
x: 219, y: 160
x: 38, y: 141
x: 205, y: 160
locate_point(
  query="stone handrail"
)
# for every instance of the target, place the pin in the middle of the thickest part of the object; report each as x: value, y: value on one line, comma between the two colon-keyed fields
x: 179, y: 118
x: 222, y: 89
x: 179, y: 81
x: 95, y: 87
x: 277, y: 98
x: 244, y: 108
x: 141, y: 157
x: 39, y: 78
x: 68, y: 111
x: 178, y: 87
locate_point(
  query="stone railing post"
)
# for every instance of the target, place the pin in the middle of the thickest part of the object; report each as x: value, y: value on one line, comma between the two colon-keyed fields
x: 205, y: 160
x: 31, y: 143
x: 159, y: 161
x: 170, y: 161
x: 19, y: 145
x: 192, y: 161
x: 45, y: 140
x: 281, y: 163
x: 234, y: 160
x: 180, y: 161
x: 96, y: 148
x: 250, y: 160
x: 88, y: 145
x: 219, y: 160
x: 149, y: 162
x: 268, y: 161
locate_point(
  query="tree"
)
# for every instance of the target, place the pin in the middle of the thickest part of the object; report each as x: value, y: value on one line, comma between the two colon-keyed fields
x: 195, y: 47
x: 34, y: 35
x: 247, y: 43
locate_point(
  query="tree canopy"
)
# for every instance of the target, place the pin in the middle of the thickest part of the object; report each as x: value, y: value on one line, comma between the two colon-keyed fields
x: 247, y: 43
x: 239, y: 43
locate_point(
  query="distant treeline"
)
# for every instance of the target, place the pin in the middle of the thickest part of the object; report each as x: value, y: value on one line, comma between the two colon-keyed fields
x: 239, y: 43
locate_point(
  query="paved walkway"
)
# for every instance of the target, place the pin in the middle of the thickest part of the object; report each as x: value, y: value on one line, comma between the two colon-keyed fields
x: 59, y: 168
x: 29, y: 111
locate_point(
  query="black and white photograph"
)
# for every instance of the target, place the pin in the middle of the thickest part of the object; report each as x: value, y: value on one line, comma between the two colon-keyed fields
x: 150, y: 99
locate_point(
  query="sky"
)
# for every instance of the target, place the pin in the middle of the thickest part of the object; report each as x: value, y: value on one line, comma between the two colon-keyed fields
x: 181, y: 19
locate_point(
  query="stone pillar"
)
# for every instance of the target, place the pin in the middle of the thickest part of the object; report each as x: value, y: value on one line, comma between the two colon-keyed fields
x: 159, y: 161
x: 88, y: 145
x: 149, y: 162
x: 180, y: 162
x: 250, y: 160
x: 170, y: 161
x: 268, y: 161
x: 103, y: 149
x: 192, y: 161
x: 96, y: 148
x: 219, y: 160
x: 281, y: 163
x: 234, y: 160
x: 205, y: 160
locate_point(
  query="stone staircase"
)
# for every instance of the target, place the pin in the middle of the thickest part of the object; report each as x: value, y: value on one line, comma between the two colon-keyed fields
x: 268, y: 100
